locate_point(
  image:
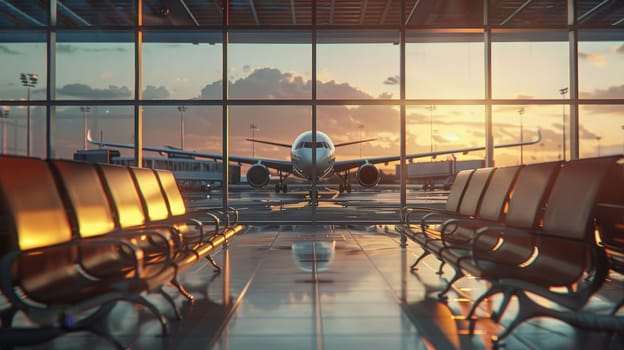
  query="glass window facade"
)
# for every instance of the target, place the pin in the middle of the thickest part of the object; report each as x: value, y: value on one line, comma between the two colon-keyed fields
x: 351, y: 69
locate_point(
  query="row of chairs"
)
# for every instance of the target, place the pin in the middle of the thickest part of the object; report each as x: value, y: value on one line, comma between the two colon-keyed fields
x: 76, y: 238
x: 529, y: 229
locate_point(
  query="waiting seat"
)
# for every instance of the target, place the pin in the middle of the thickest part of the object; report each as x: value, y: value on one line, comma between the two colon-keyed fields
x: 39, y: 270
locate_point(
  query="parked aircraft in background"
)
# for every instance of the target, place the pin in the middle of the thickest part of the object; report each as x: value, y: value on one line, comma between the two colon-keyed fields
x: 301, y: 161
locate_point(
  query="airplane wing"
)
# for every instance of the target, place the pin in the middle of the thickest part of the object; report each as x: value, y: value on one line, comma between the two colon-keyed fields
x: 345, y: 165
x: 277, y: 164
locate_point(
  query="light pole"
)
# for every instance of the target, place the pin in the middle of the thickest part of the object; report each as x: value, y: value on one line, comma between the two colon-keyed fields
x: 563, y: 91
x: 5, y: 117
x: 521, y: 112
x: 361, y: 127
x: 431, y: 109
x: 85, y: 110
x: 29, y: 80
x: 182, y: 109
x: 598, y: 138
x: 253, y: 127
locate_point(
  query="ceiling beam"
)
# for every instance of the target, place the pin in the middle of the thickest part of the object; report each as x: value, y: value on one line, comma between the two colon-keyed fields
x: 516, y: 12
x: 363, y: 12
x: 592, y: 11
x: 72, y: 14
x: 292, y: 12
x: 22, y: 13
x: 188, y: 12
x: 412, y: 11
x: 253, y: 11
x: 382, y: 20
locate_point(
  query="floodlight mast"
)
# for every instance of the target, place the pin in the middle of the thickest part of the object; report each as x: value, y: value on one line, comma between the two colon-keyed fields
x: 28, y: 80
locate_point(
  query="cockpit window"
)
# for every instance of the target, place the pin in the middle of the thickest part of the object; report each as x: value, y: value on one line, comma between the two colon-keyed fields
x: 319, y: 144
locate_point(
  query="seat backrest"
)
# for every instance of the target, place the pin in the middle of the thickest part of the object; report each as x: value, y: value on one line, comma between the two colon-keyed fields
x: 529, y: 194
x: 150, y: 192
x: 33, y: 217
x: 86, y: 197
x: 33, y: 211
x: 175, y: 201
x: 474, y: 191
x: 457, y: 189
x: 497, y: 193
x: 572, y: 201
x: 124, y: 194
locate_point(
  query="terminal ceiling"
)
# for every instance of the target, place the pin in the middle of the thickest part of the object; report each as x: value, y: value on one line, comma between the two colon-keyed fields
x: 599, y: 14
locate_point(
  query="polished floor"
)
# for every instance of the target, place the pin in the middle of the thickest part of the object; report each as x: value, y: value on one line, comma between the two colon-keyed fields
x: 324, y: 287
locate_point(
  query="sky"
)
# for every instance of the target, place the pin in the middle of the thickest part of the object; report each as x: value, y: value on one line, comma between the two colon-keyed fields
x: 527, y: 70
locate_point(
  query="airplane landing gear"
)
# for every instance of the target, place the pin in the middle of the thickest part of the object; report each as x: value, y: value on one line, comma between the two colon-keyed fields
x: 342, y: 188
x: 281, y: 186
x: 345, y: 185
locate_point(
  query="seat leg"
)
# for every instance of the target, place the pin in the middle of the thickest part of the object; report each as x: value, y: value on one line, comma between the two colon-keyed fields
x: 422, y: 256
x: 441, y: 267
x: 7, y: 316
x: 217, y: 268
x: 183, y: 290
x: 527, y: 309
x: 138, y: 299
x: 456, y: 276
x: 171, y: 302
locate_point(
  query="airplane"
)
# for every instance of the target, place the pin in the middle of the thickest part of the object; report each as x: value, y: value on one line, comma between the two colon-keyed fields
x: 301, y: 162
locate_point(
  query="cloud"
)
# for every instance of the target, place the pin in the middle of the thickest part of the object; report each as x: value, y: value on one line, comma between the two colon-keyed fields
x: 392, y: 80
x: 595, y: 59
x: 271, y: 83
x: 6, y: 50
x: 85, y: 91
x: 610, y: 92
x: 152, y: 92
x: 66, y: 48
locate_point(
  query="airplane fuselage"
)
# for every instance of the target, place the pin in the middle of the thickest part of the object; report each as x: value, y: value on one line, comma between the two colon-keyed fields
x: 302, y: 160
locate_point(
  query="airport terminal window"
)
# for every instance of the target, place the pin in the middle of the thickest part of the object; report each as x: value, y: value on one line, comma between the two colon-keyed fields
x: 281, y: 124
x: 439, y: 127
x: 361, y: 122
x: 601, y: 68
x: 279, y: 68
x: 509, y: 120
x: 191, y: 127
x: 445, y: 69
x: 601, y: 130
x: 95, y: 66
x: 341, y: 62
x: 107, y: 123
x: 197, y: 71
x: 539, y: 69
x: 23, y: 53
x: 13, y: 130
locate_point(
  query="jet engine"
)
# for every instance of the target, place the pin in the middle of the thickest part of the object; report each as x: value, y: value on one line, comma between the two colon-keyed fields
x: 368, y: 175
x: 258, y: 175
